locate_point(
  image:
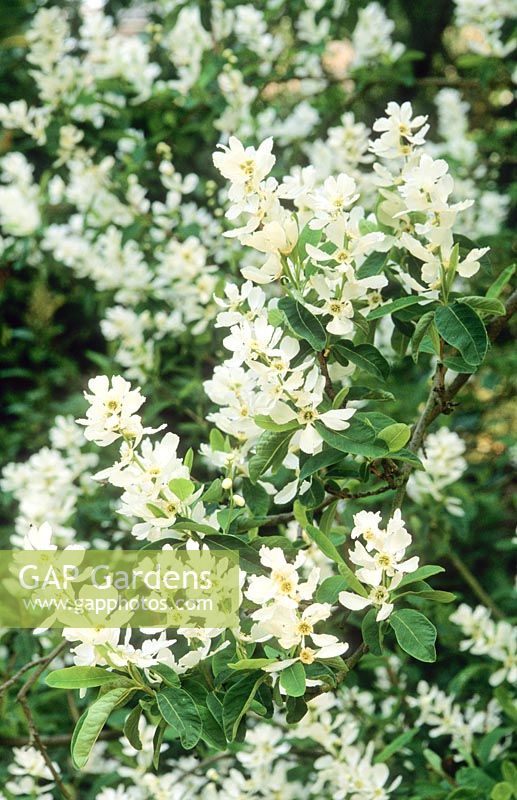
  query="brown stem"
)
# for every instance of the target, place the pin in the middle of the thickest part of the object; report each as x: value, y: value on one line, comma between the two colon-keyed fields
x: 440, y: 401
x: 322, y: 358
x: 34, y: 735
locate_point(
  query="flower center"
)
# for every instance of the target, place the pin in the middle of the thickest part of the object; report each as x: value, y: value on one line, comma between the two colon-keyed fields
x: 304, y: 628
x: 306, y: 655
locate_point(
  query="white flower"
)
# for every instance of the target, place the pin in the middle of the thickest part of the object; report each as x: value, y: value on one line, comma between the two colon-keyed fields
x: 243, y: 166
x: 330, y: 202
x: 283, y: 581
x: 380, y: 562
x: 399, y: 131
x: 112, y: 411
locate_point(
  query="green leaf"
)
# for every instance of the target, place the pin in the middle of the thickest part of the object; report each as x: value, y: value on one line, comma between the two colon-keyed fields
x: 395, y: 436
x: 500, y: 282
x: 397, y: 744
x: 158, y: 741
x: 394, y: 305
x: 421, y: 329
x: 485, y: 746
x: 292, y: 679
x: 326, y: 458
x: 131, y: 728
x: 509, y: 770
x: 182, y: 487
x: 307, y: 236
x: 249, y: 558
x: 460, y: 326
x: 352, y: 582
x: 252, y: 663
x: 92, y: 723
x: 434, y: 760
x: 372, y: 265
x: 324, y: 544
x: 408, y: 457
x: 180, y: 713
x: 458, y: 364
x: 370, y: 630
x: 485, y: 306
x: 212, y: 732
x: 507, y: 703
x: 415, y: 634
x: 437, y: 596
x: 188, y: 459
x: 365, y: 393
x: 364, y: 356
x: 502, y: 791
x: 296, y: 709
x: 303, y: 323
x: 330, y: 588
x: 267, y: 424
x: 212, y: 493
x: 85, y: 678
x: 168, y: 676
x: 271, y: 450
x: 420, y: 574
x: 358, y: 439
x: 237, y: 701
x: 256, y: 497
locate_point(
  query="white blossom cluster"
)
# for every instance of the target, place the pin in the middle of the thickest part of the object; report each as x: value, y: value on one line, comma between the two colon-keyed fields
x: 29, y: 775
x: 160, y: 281
x: 481, y: 24
x: 266, y: 374
x: 486, y: 216
x: 287, y: 613
x: 48, y: 485
x: 381, y: 561
x: 446, y: 716
x: 486, y: 637
x: 444, y: 464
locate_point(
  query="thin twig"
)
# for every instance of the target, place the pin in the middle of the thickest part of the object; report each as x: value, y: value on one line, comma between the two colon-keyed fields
x: 34, y: 735
x: 22, y: 671
x: 474, y: 584
x: 55, y: 740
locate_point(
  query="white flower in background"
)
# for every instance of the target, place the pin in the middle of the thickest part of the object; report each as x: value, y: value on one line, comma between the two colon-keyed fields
x: 28, y: 770
x: 371, y: 38
x: 481, y: 24
x: 444, y: 464
x: 462, y: 722
x: 400, y: 131
x: 498, y: 640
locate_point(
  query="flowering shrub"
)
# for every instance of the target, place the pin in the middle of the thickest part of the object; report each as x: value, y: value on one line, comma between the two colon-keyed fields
x: 279, y: 235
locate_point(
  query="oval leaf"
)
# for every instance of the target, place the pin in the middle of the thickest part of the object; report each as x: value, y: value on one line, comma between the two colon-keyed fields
x: 415, y: 634
x: 303, y: 323
x: 180, y: 713
x: 461, y: 327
